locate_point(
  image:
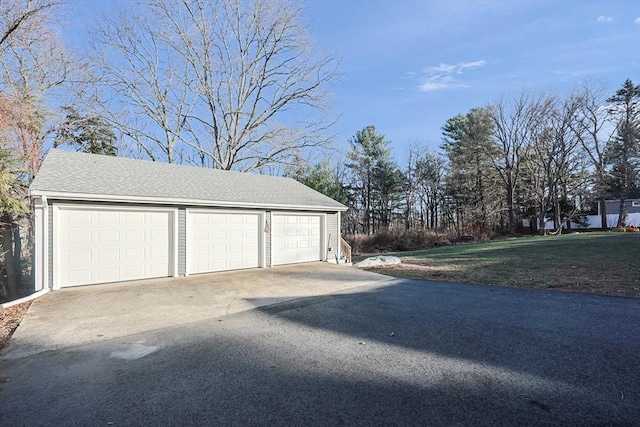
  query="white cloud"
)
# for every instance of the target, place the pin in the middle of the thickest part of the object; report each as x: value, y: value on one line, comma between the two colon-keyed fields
x: 442, y: 76
x: 637, y: 21
x: 603, y: 18
x: 445, y: 68
x: 430, y: 86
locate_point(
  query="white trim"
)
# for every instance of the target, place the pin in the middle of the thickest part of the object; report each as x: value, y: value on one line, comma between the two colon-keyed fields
x: 323, y: 240
x: 176, y: 201
x: 187, y: 238
x: 263, y: 239
x: 86, y: 206
x: 56, y: 249
x: 339, y: 239
x: 173, y: 250
x: 224, y: 211
x: 270, y: 238
x: 25, y: 299
x: 45, y: 245
x: 635, y: 203
x: 38, y: 258
x: 174, y: 243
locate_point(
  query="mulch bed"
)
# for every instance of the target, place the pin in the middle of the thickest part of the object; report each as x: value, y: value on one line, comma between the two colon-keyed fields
x: 10, y: 319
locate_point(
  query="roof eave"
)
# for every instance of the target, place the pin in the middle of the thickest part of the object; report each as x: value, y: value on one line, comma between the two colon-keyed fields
x: 177, y: 201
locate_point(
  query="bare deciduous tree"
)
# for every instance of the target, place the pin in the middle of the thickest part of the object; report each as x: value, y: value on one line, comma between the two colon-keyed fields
x: 590, y: 129
x: 552, y: 170
x: 515, y: 121
x: 16, y: 16
x: 229, y: 84
x: 33, y: 66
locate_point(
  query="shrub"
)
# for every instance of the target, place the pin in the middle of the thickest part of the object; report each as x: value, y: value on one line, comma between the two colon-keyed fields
x: 628, y: 228
x: 398, y: 240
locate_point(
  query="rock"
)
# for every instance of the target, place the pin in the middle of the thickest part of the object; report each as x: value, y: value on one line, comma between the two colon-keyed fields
x: 378, y: 261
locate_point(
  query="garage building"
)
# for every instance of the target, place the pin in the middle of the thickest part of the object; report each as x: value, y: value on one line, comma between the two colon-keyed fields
x: 101, y: 219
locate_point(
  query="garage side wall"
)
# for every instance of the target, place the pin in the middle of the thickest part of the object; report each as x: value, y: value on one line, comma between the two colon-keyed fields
x: 332, y: 236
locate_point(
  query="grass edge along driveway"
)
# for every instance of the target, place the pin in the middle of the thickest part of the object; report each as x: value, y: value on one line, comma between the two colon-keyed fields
x: 600, y: 263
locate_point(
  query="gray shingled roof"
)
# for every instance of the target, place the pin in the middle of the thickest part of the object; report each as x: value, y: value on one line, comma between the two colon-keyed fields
x: 96, y: 175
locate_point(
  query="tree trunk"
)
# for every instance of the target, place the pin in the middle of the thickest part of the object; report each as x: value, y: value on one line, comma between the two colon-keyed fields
x: 12, y: 255
x: 367, y: 219
x: 510, y: 210
x: 622, y: 213
x: 542, y: 220
x: 480, y: 184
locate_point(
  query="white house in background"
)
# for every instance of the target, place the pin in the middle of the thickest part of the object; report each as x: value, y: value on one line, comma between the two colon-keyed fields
x: 613, y: 208
x: 102, y: 219
x: 594, y: 219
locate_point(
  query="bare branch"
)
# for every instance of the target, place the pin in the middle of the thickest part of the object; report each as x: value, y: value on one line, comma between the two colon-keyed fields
x: 236, y: 83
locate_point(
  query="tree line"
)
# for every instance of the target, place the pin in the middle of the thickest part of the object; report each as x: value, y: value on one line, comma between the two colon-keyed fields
x: 534, y: 155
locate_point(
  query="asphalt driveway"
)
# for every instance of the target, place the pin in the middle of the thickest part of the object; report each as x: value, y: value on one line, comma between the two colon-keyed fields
x: 399, y: 352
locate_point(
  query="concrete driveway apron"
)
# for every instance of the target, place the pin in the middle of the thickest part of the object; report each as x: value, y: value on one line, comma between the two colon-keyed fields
x: 76, y: 316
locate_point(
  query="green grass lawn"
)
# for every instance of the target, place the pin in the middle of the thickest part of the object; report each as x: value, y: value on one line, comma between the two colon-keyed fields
x: 605, y: 263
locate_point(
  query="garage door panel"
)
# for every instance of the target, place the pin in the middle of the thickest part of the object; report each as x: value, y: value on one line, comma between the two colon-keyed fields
x: 199, y: 248
x: 79, y: 276
x: 135, y: 270
x: 106, y: 245
x: 160, y: 253
x: 110, y: 274
x: 220, y: 249
x: 296, y: 238
x: 108, y: 236
x: 232, y: 241
x: 236, y: 233
x: 79, y: 256
x: 156, y: 269
x: 80, y: 217
x: 78, y: 236
x: 108, y: 255
x: 134, y: 253
x: 217, y: 234
x: 135, y: 217
x: 157, y: 235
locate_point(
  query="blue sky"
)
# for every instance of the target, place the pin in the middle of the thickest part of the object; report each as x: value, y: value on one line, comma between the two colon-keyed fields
x: 408, y: 66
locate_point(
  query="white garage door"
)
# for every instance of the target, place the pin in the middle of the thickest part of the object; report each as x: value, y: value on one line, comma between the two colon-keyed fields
x: 296, y: 238
x: 106, y: 245
x: 222, y: 241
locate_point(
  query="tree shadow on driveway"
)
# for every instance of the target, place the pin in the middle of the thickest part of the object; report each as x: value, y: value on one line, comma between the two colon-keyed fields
x: 409, y: 353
